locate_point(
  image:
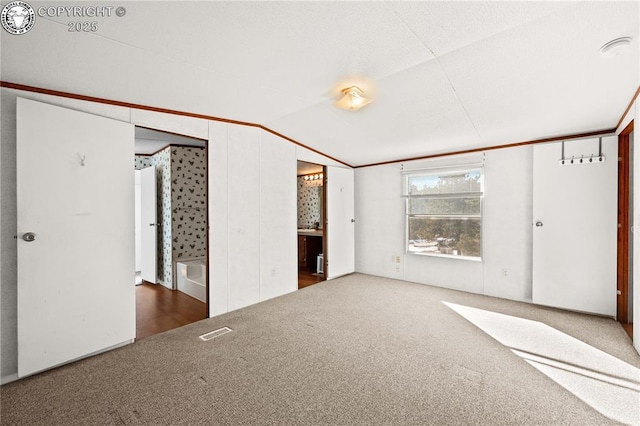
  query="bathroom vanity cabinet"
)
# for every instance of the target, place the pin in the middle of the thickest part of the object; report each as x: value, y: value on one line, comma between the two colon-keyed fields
x: 309, y: 247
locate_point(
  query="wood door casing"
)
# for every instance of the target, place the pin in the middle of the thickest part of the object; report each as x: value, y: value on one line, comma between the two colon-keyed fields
x: 623, y: 225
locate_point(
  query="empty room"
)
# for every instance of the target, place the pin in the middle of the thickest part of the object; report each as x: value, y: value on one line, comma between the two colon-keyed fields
x: 374, y: 212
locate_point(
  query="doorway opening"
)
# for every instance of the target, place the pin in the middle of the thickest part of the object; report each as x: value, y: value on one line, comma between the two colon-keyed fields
x: 171, y: 231
x: 312, y: 242
x: 625, y: 229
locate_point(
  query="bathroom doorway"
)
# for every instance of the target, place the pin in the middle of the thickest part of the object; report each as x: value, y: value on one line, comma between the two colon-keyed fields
x: 171, y: 275
x: 311, y: 224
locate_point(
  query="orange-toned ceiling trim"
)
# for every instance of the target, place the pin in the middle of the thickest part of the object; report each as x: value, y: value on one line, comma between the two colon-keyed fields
x: 491, y: 148
x: 628, y: 107
x: 33, y: 89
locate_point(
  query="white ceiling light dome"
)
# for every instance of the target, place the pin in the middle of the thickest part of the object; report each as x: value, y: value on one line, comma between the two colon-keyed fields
x: 352, y: 99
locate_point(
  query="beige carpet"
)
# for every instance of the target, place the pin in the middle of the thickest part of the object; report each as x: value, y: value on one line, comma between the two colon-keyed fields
x: 356, y: 350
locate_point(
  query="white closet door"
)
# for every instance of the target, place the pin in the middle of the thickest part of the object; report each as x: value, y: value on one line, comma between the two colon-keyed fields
x: 75, y: 194
x: 574, y: 229
x: 149, y: 224
x: 340, y: 222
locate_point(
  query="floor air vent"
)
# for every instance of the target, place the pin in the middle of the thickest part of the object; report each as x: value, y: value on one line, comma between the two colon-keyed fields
x: 215, y: 333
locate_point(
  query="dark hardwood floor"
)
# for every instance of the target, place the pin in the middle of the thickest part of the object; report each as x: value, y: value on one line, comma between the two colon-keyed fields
x: 629, y: 329
x: 159, y: 309
x: 307, y: 278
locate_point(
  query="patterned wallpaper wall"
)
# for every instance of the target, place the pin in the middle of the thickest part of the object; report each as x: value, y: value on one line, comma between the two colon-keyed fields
x: 309, y: 202
x: 143, y: 161
x: 188, y: 202
x: 163, y: 170
x: 182, y: 211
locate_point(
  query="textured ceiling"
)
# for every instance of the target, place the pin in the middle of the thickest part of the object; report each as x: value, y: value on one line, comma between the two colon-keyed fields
x: 446, y: 76
x: 148, y: 141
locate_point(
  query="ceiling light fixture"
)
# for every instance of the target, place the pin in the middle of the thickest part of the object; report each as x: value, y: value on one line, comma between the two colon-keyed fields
x: 352, y: 99
x: 615, y: 47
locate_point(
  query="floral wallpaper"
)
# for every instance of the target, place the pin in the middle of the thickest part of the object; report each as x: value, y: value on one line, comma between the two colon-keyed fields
x: 143, y: 161
x: 309, y: 202
x: 188, y: 202
x: 163, y: 170
x: 181, y: 174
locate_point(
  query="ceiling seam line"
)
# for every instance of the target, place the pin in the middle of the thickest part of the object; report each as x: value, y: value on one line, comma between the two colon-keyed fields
x: 455, y: 93
x: 164, y: 56
x: 437, y: 60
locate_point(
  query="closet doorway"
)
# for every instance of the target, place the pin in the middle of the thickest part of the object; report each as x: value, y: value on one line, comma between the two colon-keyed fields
x: 171, y: 231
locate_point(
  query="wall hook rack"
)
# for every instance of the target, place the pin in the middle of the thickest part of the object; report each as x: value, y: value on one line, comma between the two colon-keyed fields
x: 590, y: 159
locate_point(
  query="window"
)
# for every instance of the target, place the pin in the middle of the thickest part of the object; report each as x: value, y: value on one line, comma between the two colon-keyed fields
x: 444, y: 212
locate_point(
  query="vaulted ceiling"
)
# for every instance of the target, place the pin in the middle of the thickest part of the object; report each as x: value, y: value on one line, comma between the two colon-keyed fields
x: 446, y: 76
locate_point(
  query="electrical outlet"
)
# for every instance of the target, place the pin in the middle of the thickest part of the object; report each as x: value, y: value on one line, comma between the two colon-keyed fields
x: 397, y: 268
x: 505, y: 272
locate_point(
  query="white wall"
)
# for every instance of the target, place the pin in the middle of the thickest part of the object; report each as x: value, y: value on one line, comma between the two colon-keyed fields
x: 253, y: 174
x: 278, y: 217
x: 252, y: 209
x: 506, y: 231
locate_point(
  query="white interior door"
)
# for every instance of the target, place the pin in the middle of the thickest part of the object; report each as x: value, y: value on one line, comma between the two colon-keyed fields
x: 75, y: 193
x: 138, y: 222
x: 340, y: 222
x: 575, y: 225
x: 148, y: 224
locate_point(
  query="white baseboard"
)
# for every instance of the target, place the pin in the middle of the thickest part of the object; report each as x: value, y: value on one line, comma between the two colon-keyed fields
x: 8, y: 379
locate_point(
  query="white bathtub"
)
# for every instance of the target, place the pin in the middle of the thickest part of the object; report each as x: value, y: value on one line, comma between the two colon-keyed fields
x: 192, y: 278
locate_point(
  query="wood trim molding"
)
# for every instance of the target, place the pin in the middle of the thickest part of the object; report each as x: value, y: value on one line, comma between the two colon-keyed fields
x: 627, y: 130
x: 33, y: 89
x: 622, y: 285
x: 624, y: 114
x: 491, y: 148
x: 624, y: 186
x: 50, y: 92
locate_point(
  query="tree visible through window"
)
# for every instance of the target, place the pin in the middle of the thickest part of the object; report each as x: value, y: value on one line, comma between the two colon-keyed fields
x: 444, y: 214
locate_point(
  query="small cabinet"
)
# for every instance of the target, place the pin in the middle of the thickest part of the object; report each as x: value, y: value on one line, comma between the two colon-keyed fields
x: 302, y: 251
x: 309, y: 247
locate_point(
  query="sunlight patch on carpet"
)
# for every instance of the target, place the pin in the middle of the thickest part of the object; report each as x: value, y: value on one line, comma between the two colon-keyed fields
x: 608, y: 384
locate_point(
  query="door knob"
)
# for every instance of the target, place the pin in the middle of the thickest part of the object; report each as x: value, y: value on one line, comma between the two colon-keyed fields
x: 538, y: 223
x: 152, y: 224
x: 29, y: 237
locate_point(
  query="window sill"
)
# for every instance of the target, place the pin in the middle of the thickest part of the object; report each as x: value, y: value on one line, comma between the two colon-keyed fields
x: 446, y: 256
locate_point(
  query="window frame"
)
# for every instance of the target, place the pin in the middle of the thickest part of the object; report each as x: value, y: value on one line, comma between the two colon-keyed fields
x: 441, y: 171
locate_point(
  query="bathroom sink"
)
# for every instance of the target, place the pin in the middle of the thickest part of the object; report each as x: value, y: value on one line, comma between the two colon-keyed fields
x: 310, y: 231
